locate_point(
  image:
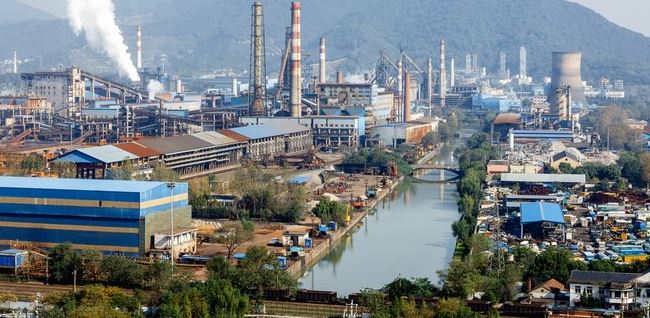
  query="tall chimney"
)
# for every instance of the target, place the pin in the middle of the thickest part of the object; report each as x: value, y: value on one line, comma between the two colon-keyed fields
x: 15, y: 70
x: 468, y: 62
x: 340, y: 78
x: 407, y: 96
x: 257, y: 74
x: 138, y: 47
x: 296, y: 67
x: 443, y: 74
x: 323, y: 62
x: 452, y: 80
x: 430, y: 85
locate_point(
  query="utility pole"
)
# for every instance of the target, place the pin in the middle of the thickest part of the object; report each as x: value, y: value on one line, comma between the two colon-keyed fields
x: 171, y: 186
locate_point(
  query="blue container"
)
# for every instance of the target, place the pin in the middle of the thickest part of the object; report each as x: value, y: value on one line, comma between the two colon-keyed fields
x: 282, y: 261
x: 322, y: 228
x: 12, y: 258
x: 332, y: 226
x: 308, y: 243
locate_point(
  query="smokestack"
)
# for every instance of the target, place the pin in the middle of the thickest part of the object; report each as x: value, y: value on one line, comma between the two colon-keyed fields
x: 340, y: 78
x: 234, y: 87
x: 502, y: 65
x: 257, y: 74
x: 452, y: 81
x: 475, y: 66
x: 15, y: 70
x: 323, y: 62
x: 296, y: 67
x: 430, y: 85
x: 179, y: 86
x: 523, y: 73
x: 138, y: 48
x: 407, y: 97
x: 443, y: 74
x: 468, y: 62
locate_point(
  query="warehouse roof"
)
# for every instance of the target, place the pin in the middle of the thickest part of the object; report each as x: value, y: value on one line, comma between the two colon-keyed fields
x: 139, y: 150
x: 543, y: 178
x: 77, y: 184
x: 100, y: 154
x: 270, y: 129
x: 175, y: 144
x: 535, y: 212
x: 233, y: 135
x: 215, y: 138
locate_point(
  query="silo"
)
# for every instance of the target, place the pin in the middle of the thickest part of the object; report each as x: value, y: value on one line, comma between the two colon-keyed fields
x: 566, y: 72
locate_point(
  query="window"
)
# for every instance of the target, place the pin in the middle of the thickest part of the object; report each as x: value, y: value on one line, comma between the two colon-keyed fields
x: 589, y: 290
x: 617, y: 294
x: 578, y: 290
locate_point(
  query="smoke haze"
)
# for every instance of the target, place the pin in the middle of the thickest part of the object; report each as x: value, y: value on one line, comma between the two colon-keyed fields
x: 96, y: 18
x: 154, y: 87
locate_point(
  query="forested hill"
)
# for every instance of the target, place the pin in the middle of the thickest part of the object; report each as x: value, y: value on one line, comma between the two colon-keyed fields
x: 199, y: 35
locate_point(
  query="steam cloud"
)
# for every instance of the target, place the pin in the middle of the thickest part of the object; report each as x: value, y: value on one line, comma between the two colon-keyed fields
x: 96, y: 18
x: 154, y: 87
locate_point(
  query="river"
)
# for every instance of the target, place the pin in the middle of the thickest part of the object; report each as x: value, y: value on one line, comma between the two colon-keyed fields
x: 408, y: 235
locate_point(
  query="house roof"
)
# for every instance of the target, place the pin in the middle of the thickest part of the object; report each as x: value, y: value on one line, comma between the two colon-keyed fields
x: 592, y: 277
x: 551, y: 284
x: 175, y: 144
x: 100, y: 154
x: 215, y: 138
x: 535, y: 212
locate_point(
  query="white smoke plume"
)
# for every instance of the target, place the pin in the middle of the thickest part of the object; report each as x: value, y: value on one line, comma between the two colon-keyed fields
x: 96, y: 18
x: 154, y: 87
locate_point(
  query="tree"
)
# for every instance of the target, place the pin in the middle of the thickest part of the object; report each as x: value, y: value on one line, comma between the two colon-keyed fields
x: 63, y: 262
x: 31, y: 164
x: 234, y: 234
x: 125, y: 171
x: 415, y: 287
x: 122, y: 272
x: 163, y: 174
x: 260, y: 270
x: 565, y: 168
x: 555, y: 263
x: 645, y: 172
x: 631, y: 168
x: 224, y: 300
x: 63, y: 169
x: 328, y: 210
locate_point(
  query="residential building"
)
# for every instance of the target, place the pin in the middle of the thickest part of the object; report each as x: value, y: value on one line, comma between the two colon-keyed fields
x: 616, y: 290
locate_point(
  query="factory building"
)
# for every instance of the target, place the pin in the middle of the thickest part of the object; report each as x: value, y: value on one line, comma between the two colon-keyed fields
x: 272, y: 139
x: 327, y: 130
x: 188, y: 155
x: 114, y: 217
x: 395, y: 134
x: 347, y: 94
x: 63, y: 88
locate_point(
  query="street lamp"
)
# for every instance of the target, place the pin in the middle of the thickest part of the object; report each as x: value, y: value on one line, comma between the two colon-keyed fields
x: 171, y: 186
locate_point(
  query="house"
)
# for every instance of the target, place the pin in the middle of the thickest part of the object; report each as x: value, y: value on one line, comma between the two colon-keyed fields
x: 547, y: 290
x: 570, y: 156
x: 296, y: 236
x: 498, y: 167
x: 615, y: 290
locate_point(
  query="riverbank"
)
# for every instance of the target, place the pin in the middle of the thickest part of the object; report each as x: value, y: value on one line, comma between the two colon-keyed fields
x: 321, y: 249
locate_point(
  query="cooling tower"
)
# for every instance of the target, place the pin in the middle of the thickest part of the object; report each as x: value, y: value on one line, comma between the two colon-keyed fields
x: 566, y: 72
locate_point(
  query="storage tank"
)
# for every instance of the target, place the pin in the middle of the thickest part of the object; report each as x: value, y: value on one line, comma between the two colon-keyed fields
x: 566, y: 72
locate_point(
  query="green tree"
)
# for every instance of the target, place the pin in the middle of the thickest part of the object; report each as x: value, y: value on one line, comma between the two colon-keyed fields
x: 631, y: 168
x: 163, y: 174
x: 260, y: 270
x: 224, y: 300
x: 234, y: 234
x: 328, y: 210
x: 122, y: 272
x: 555, y: 263
x: 63, y: 262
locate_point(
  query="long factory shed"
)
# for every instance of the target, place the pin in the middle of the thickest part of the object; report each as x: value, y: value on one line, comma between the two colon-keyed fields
x: 193, y: 154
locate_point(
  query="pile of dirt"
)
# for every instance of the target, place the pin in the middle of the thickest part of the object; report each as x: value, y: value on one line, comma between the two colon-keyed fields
x: 601, y: 198
x: 635, y: 196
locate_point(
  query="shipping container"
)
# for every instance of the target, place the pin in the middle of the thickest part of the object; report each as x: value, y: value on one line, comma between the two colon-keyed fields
x: 12, y: 258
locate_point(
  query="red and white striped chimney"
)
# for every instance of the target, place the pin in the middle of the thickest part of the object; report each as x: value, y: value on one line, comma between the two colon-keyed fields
x: 138, y: 48
x: 323, y: 61
x: 296, y: 67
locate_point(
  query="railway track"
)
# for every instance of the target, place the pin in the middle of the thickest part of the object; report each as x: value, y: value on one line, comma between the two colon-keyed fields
x: 27, y: 291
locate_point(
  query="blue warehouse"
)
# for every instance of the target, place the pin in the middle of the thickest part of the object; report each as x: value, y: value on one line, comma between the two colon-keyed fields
x: 130, y: 218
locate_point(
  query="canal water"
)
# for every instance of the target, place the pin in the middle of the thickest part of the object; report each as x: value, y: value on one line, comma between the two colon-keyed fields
x: 408, y: 235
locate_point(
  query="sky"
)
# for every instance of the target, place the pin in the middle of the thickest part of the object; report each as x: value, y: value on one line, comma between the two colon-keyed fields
x: 631, y: 14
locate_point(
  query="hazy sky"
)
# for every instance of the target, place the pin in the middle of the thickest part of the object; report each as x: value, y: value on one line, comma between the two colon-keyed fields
x: 631, y: 14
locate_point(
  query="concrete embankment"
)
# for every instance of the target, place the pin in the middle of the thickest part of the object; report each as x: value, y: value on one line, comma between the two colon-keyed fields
x: 312, y: 256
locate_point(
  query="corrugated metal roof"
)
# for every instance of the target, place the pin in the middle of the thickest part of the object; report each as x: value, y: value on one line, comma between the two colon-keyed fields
x: 108, y: 153
x: 175, y: 144
x: 535, y: 212
x: 77, y: 184
x: 234, y: 135
x: 269, y: 130
x: 543, y: 178
x: 215, y: 138
x: 601, y: 277
x: 141, y: 151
